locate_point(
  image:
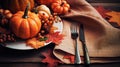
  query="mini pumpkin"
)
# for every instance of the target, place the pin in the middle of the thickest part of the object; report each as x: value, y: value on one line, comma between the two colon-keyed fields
x: 16, y: 5
x: 60, y: 7
x: 25, y: 24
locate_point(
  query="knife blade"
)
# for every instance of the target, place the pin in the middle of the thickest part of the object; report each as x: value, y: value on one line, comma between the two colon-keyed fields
x: 85, y: 50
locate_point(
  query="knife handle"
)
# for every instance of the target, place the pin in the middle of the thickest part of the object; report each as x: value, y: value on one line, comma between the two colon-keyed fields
x: 86, y: 55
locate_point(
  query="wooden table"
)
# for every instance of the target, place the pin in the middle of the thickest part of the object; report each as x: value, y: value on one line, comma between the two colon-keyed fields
x: 31, y: 58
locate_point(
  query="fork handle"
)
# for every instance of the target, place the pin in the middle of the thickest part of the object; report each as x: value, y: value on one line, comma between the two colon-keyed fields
x: 77, y: 55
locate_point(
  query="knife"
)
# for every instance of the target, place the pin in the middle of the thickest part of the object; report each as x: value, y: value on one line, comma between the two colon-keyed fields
x: 85, y: 51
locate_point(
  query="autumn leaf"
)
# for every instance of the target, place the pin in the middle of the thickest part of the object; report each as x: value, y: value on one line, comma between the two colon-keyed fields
x: 114, y: 17
x: 50, y: 58
x: 102, y: 11
x: 33, y: 42
x: 70, y: 57
x: 52, y: 29
x: 55, y: 37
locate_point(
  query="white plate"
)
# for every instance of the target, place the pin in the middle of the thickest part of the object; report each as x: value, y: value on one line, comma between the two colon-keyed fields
x: 21, y: 45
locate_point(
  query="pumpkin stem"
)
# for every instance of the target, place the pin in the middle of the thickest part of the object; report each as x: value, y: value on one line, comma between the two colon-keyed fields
x: 62, y: 4
x: 26, y: 11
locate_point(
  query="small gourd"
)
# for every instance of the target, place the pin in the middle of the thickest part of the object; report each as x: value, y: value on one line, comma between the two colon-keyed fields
x: 43, y: 11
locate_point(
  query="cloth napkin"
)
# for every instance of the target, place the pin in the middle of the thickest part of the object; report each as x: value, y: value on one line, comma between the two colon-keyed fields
x: 102, y: 39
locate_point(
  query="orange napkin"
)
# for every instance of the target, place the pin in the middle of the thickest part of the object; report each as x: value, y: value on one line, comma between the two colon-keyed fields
x: 102, y: 39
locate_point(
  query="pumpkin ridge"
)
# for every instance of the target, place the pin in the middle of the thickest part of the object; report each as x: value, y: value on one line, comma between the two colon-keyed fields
x: 29, y: 27
x: 23, y: 31
x: 17, y: 28
x: 35, y: 19
x: 18, y: 32
x: 33, y: 26
x: 39, y: 25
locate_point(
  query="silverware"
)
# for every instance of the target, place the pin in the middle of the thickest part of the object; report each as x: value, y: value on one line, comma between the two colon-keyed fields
x: 85, y: 50
x: 74, y: 36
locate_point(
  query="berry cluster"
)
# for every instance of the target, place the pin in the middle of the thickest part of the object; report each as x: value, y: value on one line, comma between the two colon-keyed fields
x: 7, y: 37
x: 47, y: 23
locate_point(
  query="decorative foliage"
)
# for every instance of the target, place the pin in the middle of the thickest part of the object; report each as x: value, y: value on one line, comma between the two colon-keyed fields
x: 70, y: 57
x: 111, y: 16
x: 50, y: 58
x: 55, y: 38
x: 114, y: 17
x: 35, y: 43
x: 102, y: 11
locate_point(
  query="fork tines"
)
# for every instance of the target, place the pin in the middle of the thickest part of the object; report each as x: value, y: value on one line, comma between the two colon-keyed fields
x: 74, y: 33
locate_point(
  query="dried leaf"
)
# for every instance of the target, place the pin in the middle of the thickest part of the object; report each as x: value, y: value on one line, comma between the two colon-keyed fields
x: 50, y: 59
x: 55, y: 37
x: 102, y: 11
x: 114, y: 17
x: 33, y: 42
x: 70, y: 57
x: 52, y: 29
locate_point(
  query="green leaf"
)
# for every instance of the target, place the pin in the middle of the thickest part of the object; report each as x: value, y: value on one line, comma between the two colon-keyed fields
x: 43, y: 39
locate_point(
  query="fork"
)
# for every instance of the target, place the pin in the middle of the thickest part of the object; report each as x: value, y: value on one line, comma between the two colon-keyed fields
x: 74, y: 36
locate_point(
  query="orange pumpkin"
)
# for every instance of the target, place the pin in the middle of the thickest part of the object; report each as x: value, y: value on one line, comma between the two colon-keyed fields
x: 47, y: 2
x: 16, y: 5
x: 60, y: 7
x: 25, y: 24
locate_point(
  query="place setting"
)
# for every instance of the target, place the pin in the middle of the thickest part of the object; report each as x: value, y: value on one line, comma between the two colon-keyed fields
x: 58, y: 31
